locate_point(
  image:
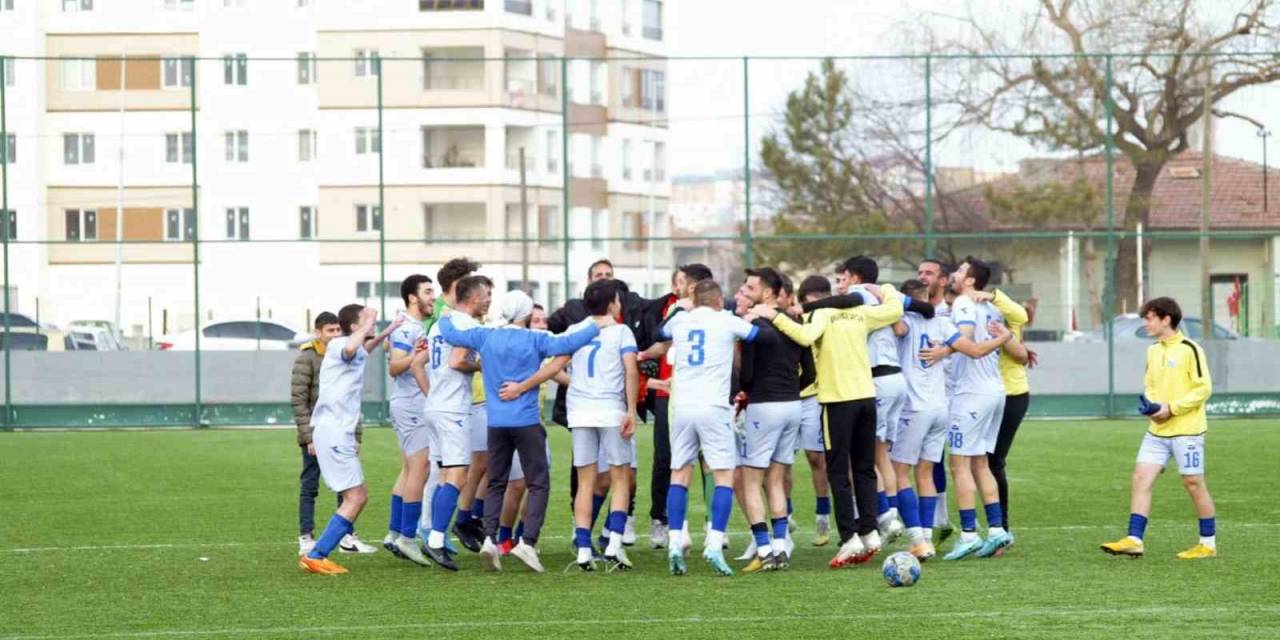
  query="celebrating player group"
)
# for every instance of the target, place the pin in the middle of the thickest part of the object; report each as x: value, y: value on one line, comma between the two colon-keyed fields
x: 874, y: 383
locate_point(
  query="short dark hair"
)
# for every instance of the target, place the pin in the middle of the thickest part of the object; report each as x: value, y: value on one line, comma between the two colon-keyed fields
x: 769, y: 277
x: 409, y: 287
x: 910, y: 287
x: 696, y: 272
x: 943, y: 267
x: 468, y: 286
x: 326, y: 318
x: 813, y: 284
x: 705, y: 290
x: 598, y: 263
x: 599, y: 295
x: 865, y: 268
x: 841, y: 267
x: 1163, y: 307
x: 455, y: 270
x: 786, y: 284
x: 348, y: 316
x: 538, y: 307
x: 979, y: 271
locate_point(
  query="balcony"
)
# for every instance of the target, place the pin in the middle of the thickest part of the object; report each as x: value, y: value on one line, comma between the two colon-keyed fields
x: 453, y: 69
x: 518, y: 138
x: 452, y: 147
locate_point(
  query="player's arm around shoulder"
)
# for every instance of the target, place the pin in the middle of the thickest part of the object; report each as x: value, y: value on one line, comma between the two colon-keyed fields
x: 806, y: 333
x: 1015, y: 315
x: 889, y: 311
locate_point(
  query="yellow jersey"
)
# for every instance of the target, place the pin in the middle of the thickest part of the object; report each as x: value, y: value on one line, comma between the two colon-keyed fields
x: 1013, y: 372
x: 839, y: 337
x: 1178, y: 376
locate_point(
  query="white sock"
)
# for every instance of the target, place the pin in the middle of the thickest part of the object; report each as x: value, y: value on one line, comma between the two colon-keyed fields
x: 968, y: 536
x: 763, y: 552
x: 995, y: 531
x: 823, y: 518
x: 715, y: 540
x: 436, y: 539
x: 926, y: 534
x: 779, y: 545
x: 584, y: 555
x: 916, y: 534
x: 615, y: 543
x: 674, y: 536
x: 1135, y: 539
x: 1209, y: 541
x: 893, y: 513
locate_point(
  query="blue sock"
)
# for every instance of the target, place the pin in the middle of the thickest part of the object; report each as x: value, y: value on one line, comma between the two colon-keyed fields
x: 760, y: 532
x: 882, y: 503
x: 617, y: 522
x: 581, y: 537
x: 824, y: 505
x: 596, y: 503
x: 969, y: 520
x: 677, y: 503
x: 333, y: 532
x: 940, y: 477
x: 995, y: 516
x: 397, y: 508
x: 477, y: 509
x: 721, y: 508
x: 790, y: 509
x: 411, y: 512
x: 909, y: 507
x: 445, y: 503
x: 519, y: 532
x: 1137, y: 525
x: 779, y: 529
x: 1207, y: 527
x: 893, y: 501
x: 504, y: 534
x: 463, y: 517
x: 928, y: 505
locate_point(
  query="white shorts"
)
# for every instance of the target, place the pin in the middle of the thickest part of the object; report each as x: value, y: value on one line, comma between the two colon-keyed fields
x: 920, y: 436
x: 602, y: 465
x: 706, y: 429
x: 339, y: 459
x: 810, y: 438
x: 1187, y: 452
x: 517, y: 471
x: 891, y: 400
x: 412, y: 431
x: 975, y: 423
x: 593, y: 444
x: 770, y: 434
x: 478, y: 425
x: 452, y: 439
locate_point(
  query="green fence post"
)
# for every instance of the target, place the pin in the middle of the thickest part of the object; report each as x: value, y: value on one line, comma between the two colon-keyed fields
x: 195, y: 235
x: 1109, y: 295
x: 928, y: 156
x: 564, y: 157
x: 4, y: 212
x: 749, y: 256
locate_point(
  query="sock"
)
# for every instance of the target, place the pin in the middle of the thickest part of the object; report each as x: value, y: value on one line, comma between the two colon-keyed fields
x: 790, y: 508
x: 397, y: 508
x: 410, y: 513
x: 721, y: 508
x: 882, y: 503
x: 780, y: 532
x: 941, y: 516
x: 1137, y: 526
x: 1208, y: 531
x: 909, y: 507
x: 968, y: 520
x: 581, y: 537
x: 519, y: 532
x: 504, y: 534
x: 823, y: 507
x: 616, y: 525
x: 429, y: 495
x: 995, y: 516
x: 477, y: 509
x: 463, y: 516
x: 337, y: 528
x: 708, y: 491
x: 596, y: 503
x: 893, y: 501
x: 760, y: 533
x: 928, y: 504
x: 940, y: 477
x: 677, y: 503
x: 584, y: 553
x: 441, y: 511
x: 715, y: 539
x: 631, y: 502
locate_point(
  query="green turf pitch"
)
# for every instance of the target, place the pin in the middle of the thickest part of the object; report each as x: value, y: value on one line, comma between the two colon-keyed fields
x: 106, y: 535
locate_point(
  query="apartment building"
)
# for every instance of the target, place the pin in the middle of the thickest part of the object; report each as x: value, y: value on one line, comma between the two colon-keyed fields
x: 285, y: 141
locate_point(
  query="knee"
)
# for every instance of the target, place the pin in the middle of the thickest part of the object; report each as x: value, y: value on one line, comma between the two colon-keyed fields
x: 357, y: 496
x: 1193, y: 484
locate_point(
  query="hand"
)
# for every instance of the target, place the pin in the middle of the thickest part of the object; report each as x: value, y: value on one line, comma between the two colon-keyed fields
x: 357, y: 447
x: 998, y: 330
x: 368, y: 316
x: 768, y: 312
x: 395, y: 324
x: 874, y: 289
x: 311, y: 449
x: 1032, y: 359
x: 981, y: 296
x: 1163, y: 414
x: 420, y: 345
x: 935, y: 353
x: 511, y: 390
x: 796, y: 309
x: 660, y: 385
x: 628, y: 426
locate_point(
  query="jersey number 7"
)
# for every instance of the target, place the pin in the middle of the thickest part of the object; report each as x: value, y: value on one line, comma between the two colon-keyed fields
x: 591, y: 358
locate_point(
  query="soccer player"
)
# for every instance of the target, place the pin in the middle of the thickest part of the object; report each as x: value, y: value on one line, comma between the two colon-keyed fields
x: 448, y: 405
x: 333, y: 426
x: 847, y: 394
x: 934, y: 274
x: 812, y: 289
x: 772, y: 373
x: 1177, y: 386
x: 468, y: 525
x: 304, y: 391
x: 660, y: 477
x: 409, y: 385
x: 511, y: 353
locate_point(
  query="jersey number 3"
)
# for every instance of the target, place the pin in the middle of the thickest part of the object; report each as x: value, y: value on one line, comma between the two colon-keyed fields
x: 697, y: 340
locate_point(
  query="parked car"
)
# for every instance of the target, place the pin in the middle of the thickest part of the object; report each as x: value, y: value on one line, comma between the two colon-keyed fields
x: 94, y: 338
x: 235, y: 335
x: 1130, y: 326
x: 17, y: 320
x: 27, y: 339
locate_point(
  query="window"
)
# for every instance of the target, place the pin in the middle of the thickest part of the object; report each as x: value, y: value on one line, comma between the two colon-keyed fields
x: 597, y: 83
x: 626, y: 159
x: 79, y: 74
x: 6, y: 5
x: 82, y: 225
x: 177, y: 72
x: 307, y: 140
x: 306, y: 67
x: 10, y: 230
x: 367, y: 290
x: 10, y: 72
x: 75, y: 6
x: 171, y: 147
x: 306, y: 223
x: 554, y: 297
x: 9, y: 150
x: 185, y: 5
x: 77, y: 148
x: 522, y: 7
x: 593, y: 15
x: 235, y: 69
x: 553, y: 152
x: 368, y: 217
x: 368, y: 140
x: 450, y: 5
x: 597, y: 170
x: 548, y: 224
x: 233, y: 4
x: 548, y: 76
x: 599, y: 228
x: 237, y: 143
x: 625, y: 10
x: 179, y: 224
x: 514, y: 224
x: 237, y: 223
x: 653, y: 90
x: 367, y: 63
x: 652, y: 19
x: 628, y: 89
x: 633, y: 228
x: 659, y: 161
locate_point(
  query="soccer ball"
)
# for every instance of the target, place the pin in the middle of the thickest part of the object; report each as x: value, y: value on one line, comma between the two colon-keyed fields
x: 901, y: 569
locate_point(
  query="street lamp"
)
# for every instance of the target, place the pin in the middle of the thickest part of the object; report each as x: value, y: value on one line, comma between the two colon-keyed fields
x: 1263, y: 133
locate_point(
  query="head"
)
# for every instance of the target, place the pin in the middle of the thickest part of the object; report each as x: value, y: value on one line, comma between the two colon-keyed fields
x: 763, y: 285
x: 451, y: 273
x: 419, y: 295
x: 842, y: 278
x: 349, y: 317
x: 707, y: 293
x: 788, y: 295
x: 1161, y: 316
x: 693, y: 274
x: 327, y: 327
x: 814, y: 287
x: 516, y: 308
x: 538, y: 319
x: 971, y: 275
x: 916, y: 290
x: 933, y: 274
x: 742, y: 300
x: 677, y: 283
x: 601, y: 298
x: 601, y: 269
x: 472, y: 295
x: 862, y: 270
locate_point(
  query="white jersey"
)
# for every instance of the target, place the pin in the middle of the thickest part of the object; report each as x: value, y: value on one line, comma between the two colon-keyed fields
x: 882, y: 344
x: 405, y: 391
x: 450, y: 390
x: 976, y: 375
x: 949, y: 365
x: 341, y: 381
x: 597, y: 395
x: 703, y: 342
x: 926, y: 383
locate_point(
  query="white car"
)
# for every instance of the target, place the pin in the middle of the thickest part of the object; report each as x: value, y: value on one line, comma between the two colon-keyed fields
x: 93, y: 336
x: 235, y: 335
